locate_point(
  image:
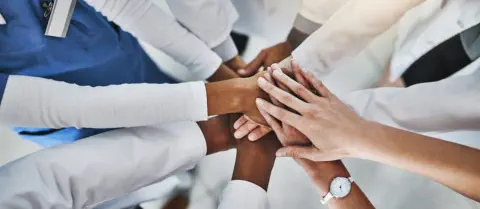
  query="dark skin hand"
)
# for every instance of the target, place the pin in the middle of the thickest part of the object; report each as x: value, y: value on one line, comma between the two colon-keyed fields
x: 236, y: 63
x: 267, y: 57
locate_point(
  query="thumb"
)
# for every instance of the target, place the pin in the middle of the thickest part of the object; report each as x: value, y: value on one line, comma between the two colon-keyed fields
x: 304, y: 152
x: 254, y: 65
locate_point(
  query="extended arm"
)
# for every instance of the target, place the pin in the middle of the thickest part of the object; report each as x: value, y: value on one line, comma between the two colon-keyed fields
x: 348, y: 31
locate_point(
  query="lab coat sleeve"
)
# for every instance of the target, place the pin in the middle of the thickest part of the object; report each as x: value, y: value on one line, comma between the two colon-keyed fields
x: 100, y: 168
x: 146, y: 21
x: 443, y: 106
x: 210, y: 20
x: 38, y: 102
x: 348, y: 31
x: 243, y: 194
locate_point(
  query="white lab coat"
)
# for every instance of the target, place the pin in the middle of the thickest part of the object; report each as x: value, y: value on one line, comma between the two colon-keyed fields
x: 89, y: 172
x: 201, y: 42
x: 348, y: 31
x: 442, y: 106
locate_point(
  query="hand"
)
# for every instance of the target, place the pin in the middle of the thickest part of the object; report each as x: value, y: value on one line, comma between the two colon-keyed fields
x: 285, y: 133
x: 334, y: 129
x: 251, y: 93
x: 236, y: 63
x: 267, y: 57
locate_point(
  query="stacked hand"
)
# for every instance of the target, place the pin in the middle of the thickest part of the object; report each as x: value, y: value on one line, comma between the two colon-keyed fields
x: 334, y: 130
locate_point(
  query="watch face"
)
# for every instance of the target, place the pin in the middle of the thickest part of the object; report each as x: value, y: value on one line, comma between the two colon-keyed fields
x: 340, y: 187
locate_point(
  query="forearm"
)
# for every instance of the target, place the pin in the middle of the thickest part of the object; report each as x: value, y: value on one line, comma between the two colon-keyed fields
x: 453, y: 165
x: 254, y: 161
x: 322, y: 173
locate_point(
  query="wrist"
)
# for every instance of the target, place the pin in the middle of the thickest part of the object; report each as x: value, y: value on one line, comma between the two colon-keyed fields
x: 322, y: 173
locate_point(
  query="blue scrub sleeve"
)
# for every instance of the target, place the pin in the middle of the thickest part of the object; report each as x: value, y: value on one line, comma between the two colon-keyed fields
x: 3, y: 85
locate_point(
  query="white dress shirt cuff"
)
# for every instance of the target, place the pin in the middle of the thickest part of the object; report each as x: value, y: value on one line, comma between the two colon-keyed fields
x: 226, y: 50
x: 243, y: 194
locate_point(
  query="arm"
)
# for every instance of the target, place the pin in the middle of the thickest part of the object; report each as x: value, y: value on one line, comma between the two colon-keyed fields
x: 453, y: 165
x: 137, y: 17
x: 211, y: 21
x: 443, y: 106
x: 74, y: 175
x: 312, y: 15
x: 336, y: 132
x: 322, y: 173
x: 251, y: 174
x: 348, y: 31
x: 37, y: 102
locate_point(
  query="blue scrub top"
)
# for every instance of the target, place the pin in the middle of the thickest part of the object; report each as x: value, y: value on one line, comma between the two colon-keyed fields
x: 94, y: 53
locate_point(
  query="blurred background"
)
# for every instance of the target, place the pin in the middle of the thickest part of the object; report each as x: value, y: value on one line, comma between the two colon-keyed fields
x: 387, y: 187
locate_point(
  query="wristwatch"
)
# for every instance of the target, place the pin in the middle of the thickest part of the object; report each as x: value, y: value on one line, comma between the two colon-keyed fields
x: 339, y: 187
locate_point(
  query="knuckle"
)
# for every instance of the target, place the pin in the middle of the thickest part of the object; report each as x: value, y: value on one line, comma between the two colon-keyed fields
x: 285, y: 98
x: 299, y: 90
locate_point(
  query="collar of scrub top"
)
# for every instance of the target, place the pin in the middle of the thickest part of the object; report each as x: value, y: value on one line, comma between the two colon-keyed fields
x: 60, y: 16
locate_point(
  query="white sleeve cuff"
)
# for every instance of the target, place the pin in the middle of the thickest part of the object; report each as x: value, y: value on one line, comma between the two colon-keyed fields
x: 243, y: 194
x: 227, y: 49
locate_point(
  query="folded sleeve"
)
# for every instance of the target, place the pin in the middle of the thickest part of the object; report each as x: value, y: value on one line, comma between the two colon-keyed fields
x: 443, y: 106
x: 210, y: 20
x: 38, y: 102
x: 148, y: 22
x: 348, y: 31
x: 243, y: 194
x: 100, y: 168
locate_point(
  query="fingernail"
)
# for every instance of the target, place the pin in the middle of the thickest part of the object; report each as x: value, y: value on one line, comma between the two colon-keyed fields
x: 280, y: 153
x: 262, y: 81
x: 242, y: 71
x: 252, y: 137
x: 277, y: 73
x: 237, y: 135
x: 259, y: 101
x: 275, y: 66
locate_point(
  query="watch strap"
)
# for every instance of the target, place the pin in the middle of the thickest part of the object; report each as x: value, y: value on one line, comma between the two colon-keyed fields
x: 326, y: 198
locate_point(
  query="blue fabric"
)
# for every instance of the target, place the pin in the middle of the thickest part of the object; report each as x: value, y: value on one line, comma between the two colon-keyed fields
x: 94, y: 53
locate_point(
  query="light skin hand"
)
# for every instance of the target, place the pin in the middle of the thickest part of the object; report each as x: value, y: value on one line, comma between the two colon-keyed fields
x: 314, y: 113
x: 267, y: 57
x: 337, y: 132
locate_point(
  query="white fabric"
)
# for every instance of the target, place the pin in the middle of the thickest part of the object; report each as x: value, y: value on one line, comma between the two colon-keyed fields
x: 39, y: 102
x: 348, y: 31
x: 210, y: 20
x: 100, y: 168
x: 226, y: 50
x: 320, y: 11
x: 148, y: 22
x: 429, y: 25
x: 444, y: 106
x: 243, y: 194
x: 2, y: 20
